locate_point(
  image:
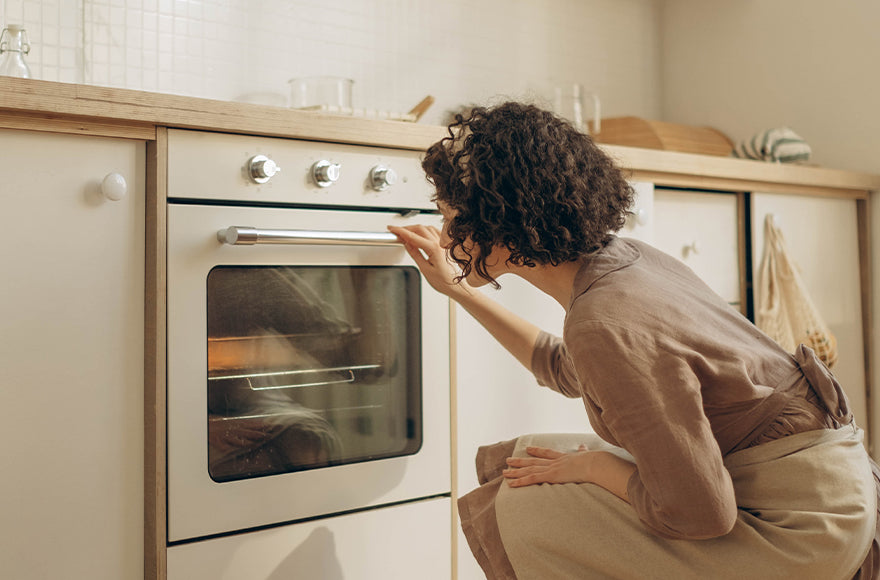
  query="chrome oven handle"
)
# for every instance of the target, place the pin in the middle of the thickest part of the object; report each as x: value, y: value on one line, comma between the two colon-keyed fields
x: 248, y: 236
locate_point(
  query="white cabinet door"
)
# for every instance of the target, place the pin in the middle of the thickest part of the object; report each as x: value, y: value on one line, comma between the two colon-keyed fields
x: 403, y: 542
x: 822, y: 236
x: 71, y: 358
x: 640, y: 223
x: 702, y: 230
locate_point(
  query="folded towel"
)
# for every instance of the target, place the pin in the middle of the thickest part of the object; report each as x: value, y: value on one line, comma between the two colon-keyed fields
x: 782, y: 145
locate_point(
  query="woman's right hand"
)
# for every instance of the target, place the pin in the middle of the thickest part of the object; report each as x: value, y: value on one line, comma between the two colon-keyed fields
x: 422, y: 243
x: 515, y: 333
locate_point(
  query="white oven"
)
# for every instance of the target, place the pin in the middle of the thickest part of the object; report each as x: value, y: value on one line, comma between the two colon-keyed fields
x: 308, y: 360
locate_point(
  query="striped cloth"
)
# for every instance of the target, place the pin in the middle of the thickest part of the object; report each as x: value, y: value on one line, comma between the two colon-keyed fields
x: 781, y: 145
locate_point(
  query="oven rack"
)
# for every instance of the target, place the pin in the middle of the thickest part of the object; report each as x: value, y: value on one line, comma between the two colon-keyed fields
x: 252, y: 377
x: 350, y: 409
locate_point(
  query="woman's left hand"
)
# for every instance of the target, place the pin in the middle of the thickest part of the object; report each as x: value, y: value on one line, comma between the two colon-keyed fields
x: 543, y: 465
x: 549, y: 466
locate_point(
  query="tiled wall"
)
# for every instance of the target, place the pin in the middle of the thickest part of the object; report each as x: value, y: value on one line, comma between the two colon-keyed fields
x: 54, y: 28
x: 397, y: 51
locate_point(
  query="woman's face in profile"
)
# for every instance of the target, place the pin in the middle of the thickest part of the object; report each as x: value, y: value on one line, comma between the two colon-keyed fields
x: 496, y: 262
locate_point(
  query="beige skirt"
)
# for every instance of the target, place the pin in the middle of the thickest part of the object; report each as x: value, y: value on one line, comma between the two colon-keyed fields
x: 807, y: 511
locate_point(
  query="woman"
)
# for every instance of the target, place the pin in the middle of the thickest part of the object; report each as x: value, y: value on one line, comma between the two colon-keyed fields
x: 718, y: 454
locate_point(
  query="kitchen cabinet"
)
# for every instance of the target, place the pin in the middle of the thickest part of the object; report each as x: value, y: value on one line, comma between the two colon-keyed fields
x: 702, y: 229
x: 640, y: 223
x: 71, y: 355
x: 361, y: 545
x: 822, y: 235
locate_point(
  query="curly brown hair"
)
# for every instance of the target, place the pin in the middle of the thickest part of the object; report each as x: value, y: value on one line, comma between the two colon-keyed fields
x: 526, y: 179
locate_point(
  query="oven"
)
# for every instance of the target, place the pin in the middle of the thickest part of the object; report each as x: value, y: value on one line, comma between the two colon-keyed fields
x: 308, y: 360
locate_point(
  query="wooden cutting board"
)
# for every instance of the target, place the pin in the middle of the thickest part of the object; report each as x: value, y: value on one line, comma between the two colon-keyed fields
x: 637, y: 132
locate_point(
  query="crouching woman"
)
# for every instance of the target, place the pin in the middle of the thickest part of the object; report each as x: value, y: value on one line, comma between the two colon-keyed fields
x: 716, y: 454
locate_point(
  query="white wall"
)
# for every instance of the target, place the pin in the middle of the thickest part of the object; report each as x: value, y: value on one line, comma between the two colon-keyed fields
x: 397, y: 51
x: 750, y: 65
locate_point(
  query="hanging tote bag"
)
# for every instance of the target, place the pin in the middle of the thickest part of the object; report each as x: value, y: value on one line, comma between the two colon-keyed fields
x: 785, y: 311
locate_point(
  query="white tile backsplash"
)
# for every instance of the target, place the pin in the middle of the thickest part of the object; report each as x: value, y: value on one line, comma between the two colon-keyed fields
x: 397, y: 51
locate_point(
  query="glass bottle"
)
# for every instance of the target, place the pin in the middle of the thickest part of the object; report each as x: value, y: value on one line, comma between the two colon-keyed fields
x: 13, y: 46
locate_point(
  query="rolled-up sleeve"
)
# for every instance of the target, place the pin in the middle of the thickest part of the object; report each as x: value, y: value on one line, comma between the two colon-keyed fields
x: 552, y: 366
x: 650, y: 401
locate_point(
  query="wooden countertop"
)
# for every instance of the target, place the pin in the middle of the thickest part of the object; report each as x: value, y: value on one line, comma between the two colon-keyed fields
x: 85, y: 109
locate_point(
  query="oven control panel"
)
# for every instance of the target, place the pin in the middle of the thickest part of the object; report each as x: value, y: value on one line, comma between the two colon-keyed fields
x: 207, y: 167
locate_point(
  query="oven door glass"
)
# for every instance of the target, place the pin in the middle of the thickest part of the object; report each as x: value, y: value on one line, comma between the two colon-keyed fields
x: 311, y: 366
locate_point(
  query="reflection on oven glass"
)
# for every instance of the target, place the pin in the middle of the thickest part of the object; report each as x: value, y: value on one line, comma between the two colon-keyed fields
x: 311, y: 366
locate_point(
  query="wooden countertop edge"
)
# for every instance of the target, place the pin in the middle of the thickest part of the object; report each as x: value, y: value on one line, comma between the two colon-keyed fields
x: 733, y: 170
x: 113, y: 105
x: 126, y: 112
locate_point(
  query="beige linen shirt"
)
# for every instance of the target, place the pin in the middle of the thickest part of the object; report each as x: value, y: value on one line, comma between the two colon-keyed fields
x: 672, y: 374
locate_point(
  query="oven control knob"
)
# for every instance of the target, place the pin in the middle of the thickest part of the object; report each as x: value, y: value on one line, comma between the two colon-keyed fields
x: 261, y: 168
x: 382, y: 177
x: 325, y: 173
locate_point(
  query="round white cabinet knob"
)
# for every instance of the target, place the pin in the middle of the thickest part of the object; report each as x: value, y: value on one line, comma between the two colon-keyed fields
x: 262, y: 169
x: 325, y: 173
x: 113, y: 187
x: 638, y: 217
x: 382, y: 177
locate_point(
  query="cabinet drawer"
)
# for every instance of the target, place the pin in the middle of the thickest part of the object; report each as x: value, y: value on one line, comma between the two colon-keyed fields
x: 702, y: 230
x: 411, y: 540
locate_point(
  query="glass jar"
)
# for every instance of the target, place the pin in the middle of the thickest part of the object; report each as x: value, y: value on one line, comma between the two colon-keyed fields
x: 13, y: 46
x: 322, y: 93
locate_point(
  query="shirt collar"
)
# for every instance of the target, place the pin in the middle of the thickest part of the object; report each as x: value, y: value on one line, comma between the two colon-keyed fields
x: 618, y: 253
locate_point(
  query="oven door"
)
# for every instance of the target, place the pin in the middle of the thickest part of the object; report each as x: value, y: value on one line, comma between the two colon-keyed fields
x: 304, y: 379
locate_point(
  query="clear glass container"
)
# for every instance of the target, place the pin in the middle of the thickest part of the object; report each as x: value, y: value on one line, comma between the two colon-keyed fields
x: 330, y: 93
x: 13, y: 46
